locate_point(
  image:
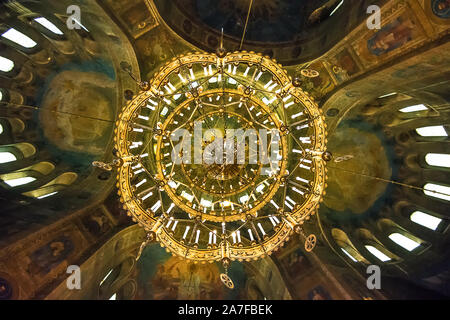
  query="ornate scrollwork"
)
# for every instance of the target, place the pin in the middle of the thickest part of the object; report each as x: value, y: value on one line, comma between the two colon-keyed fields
x: 220, y: 212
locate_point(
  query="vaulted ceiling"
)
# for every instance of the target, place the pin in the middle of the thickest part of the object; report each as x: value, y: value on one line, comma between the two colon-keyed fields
x: 61, y: 97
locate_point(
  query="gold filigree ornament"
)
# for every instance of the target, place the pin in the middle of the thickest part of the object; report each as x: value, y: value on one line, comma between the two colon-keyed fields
x: 310, y: 243
x: 226, y: 280
x: 309, y: 73
x: 207, y: 211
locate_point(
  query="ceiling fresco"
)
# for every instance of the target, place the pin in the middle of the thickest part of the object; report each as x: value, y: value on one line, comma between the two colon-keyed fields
x: 271, y: 21
x: 63, y: 98
x: 79, y: 100
x: 296, y: 30
x: 354, y: 140
x: 164, y: 277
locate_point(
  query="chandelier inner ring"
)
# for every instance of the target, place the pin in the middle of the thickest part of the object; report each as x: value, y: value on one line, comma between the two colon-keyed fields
x: 223, y: 187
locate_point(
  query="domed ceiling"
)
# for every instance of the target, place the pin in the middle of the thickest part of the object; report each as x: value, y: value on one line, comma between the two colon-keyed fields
x: 59, y: 102
x: 296, y: 30
x: 379, y: 91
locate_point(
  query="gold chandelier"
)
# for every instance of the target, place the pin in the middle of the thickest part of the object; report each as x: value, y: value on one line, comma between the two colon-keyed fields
x: 207, y: 211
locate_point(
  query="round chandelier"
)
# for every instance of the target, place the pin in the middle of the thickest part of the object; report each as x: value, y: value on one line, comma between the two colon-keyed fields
x: 221, y: 157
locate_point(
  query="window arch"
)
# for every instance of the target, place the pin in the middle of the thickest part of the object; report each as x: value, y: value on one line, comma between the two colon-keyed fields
x: 414, y: 108
x: 106, y: 284
x: 437, y: 191
x: 19, y: 181
x: 19, y: 38
x: 6, y: 65
x: 377, y: 253
x: 349, y: 255
x: 347, y: 246
x: 425, y: 219
x: 404, y: 241
x: 432, y: 131
x: 18, y: 151
x: 374, y: 246
x: 49, y: 25
x: 6, y: 157
x: 53, y: 187
x: 438, y: 159
x: 16, y: 124
x: 27, y: 175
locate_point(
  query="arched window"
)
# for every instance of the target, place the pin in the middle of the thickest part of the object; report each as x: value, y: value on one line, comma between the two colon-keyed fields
x: 48, y: 25
x: 377, y: 253
x: 47, y: 195
x: 18, y: 151
x: 349, y: 255
x: 404, y: 241
x: 19, y: 181
x: 425, y: 220
x: 53, y: 187
x: 1, y: 127
x: 415, y: 108
x: 6, y: 65
x: 433, y: 131
x: 6, y: 157
x: 113, y: 297
x: 438, y: 159
x: 106, y: 277
x: 19, y: 38
x: 437, y: 191
x: 28, y: 174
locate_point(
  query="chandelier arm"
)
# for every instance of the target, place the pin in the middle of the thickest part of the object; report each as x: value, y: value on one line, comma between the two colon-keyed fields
x: 284, y: 197
x: 297, y: 142
x: 299, y: 163
x: 251, y: 87
x: 299, y: 185
x: 272, y: 110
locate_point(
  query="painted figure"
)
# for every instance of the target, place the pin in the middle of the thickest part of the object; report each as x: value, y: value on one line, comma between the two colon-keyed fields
x: 391, y: 37
x: 441, y: 8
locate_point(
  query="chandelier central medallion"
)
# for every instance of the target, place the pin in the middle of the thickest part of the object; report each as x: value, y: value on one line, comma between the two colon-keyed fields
x: 221, y: 157
x: 224, y: 151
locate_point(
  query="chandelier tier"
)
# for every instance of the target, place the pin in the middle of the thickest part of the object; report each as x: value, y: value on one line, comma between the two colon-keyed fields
x: 208, y: 203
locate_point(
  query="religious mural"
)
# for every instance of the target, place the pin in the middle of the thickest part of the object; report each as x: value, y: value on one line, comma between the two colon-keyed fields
x: 441, y: 8
x: 319, y: 293
x: 156, y: 47
x: 97, y: 223
x: 134, y: 16
x: 344, y: 66
x: 401, y: 31
x: 303, y: 278
x: 349, y: 192
x: 44, y: 259
x: 392, y: 36
x: 78, y: 99
x: 296, y: 264
x: 162, y: 276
